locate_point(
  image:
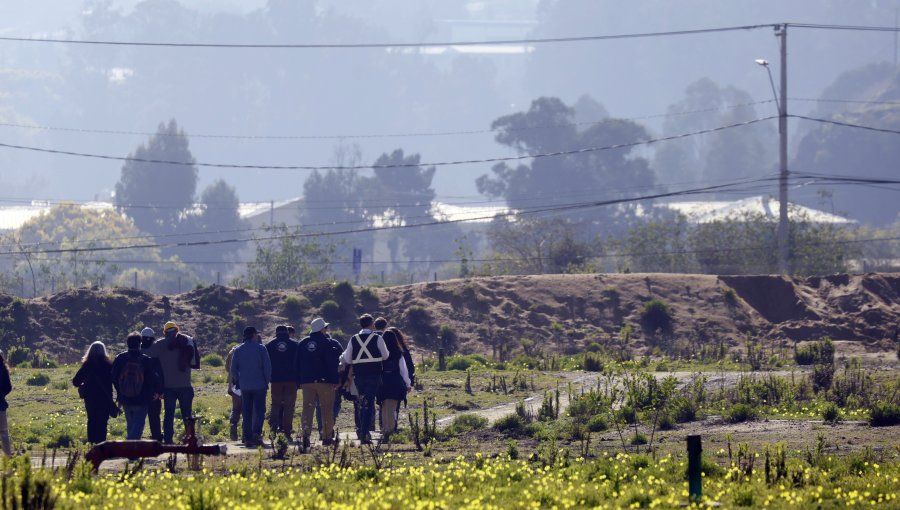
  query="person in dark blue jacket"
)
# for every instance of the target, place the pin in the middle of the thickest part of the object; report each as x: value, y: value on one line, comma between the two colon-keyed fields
x: 137, y: 381
x: 317, y: 369
x: 283, y: 353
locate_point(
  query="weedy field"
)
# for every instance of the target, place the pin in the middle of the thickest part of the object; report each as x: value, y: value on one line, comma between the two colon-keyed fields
x: 587, y: 430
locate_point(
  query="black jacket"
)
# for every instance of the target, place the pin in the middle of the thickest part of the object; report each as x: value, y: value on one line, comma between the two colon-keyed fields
x: 152, y: 378
x: 317, y: 359
x: 5, y: 386
x: 95, y: 380
x: 282, y: 352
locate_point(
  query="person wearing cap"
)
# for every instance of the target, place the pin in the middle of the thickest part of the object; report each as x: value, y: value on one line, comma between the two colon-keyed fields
x: 251, y: 370
x: 283, y: 353
x: 136, y: 382
x: 154, y: 410
x: 364, y: 354
x: 177, y: 354
x: 317, y: 367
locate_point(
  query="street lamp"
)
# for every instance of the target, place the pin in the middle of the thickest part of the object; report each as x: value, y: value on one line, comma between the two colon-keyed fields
x: 765, y: 63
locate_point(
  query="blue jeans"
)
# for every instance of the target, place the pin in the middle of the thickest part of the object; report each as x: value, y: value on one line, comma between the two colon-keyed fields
x: 253, y: 411
x: 135, y: 416
x: 185, y: 397
x: 367, y: 386
x: 336, y: 410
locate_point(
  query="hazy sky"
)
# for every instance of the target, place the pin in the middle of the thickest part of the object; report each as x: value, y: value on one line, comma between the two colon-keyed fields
x: 344, y: 93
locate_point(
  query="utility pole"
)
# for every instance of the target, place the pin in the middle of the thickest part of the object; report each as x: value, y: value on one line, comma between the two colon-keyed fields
x: 783, y: 222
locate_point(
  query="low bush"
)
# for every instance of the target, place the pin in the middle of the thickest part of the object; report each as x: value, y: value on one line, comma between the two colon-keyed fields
x: 597, y: 424
x: 740, y: 413
x: 884, y: 414
x: 466, y: 423
x: 638, y: 439
x: 344, y: 293
x: 294, y: 306
x: 657, y: 315
x: 831, y: 413
x: 213, y: 360
x: 330, y: 310
x: 593, y: 362
x: 510, y: 424
x: 38, y: 379
x: 821, y: 353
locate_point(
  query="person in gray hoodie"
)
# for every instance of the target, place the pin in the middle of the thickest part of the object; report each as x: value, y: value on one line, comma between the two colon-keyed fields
x: 251, y: 371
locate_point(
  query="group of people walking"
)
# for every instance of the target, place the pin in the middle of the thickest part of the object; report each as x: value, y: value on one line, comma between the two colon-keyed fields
x: 152, y: 378
x: 374, y: 367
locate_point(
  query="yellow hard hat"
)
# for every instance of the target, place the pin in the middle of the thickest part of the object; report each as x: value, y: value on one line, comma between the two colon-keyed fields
x: 170, y: 325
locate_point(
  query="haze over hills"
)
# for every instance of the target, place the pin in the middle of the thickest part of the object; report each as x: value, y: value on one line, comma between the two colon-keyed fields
x: 371, y: 92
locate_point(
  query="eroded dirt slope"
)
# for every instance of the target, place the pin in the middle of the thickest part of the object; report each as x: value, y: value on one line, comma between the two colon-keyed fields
x: 556, y: 312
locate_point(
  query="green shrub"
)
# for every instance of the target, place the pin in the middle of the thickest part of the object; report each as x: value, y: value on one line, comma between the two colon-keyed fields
x: 884, y: 414
x: 367, y: 296
x: 420, y: 323
x: 38, y: 379
x: 293, y: 307
x: 657, y: 315
x: 831, y: 413
x: 61, y: 440
x: 665, y: 421
x: 344, y: 293
x: 594, y: 347
x: 684, y: 410
x: 330, y: 310
x: 730, y: 296
x: 597, y: 423
x: 593, y: 362
x: 17, y: 355
x: 448, y: 338
x: 461, y: 363
x: 822, y: 376
x: 628, y: 414
x: 740, y: 413
x: 821, y: 353
x: 638, y: 439
x: 510, y: 424
x: 466, y: 423
x: 213, y: 360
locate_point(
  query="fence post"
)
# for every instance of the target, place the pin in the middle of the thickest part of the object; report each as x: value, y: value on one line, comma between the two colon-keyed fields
x: 218, y: 278
x: 135, y: 280
x: 695, y: 450
x: 442, y: 360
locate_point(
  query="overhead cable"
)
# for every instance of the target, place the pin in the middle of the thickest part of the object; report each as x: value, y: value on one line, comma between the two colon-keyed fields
x: 584, y: 150
x: 313, y: 46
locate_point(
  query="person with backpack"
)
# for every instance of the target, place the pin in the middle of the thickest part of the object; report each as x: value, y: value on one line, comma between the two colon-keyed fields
x: 5, y: 389
x: 283, y: 353
x: 136, y: 381
x: 177, y: 355
x: 154, y: 410
x: 94, y: 382
x: 364, y: 354
x: 395, y: 380
x: 251, y: 370
x: 318, y: 356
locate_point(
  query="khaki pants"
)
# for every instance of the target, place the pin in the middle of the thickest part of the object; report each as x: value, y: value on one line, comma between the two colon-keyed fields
x: 389, y: 416
x: 284, y: 403
x: 323, y: 393
x: 4, y: 433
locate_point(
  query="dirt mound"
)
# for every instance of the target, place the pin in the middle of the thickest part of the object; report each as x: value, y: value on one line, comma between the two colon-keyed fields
x: 503, y: 316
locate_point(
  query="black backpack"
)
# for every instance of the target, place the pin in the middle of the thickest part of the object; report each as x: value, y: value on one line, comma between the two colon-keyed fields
x: 131, y: 379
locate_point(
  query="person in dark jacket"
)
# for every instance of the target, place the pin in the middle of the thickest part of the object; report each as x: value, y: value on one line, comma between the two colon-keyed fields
x: 94, y: 383
x: 5, y: 389
x: 136, y: 381
x: 364, y: 354
x: 283, y: 353
x: 395, y: 379
x: 317, y: 368
x: 154, y: 410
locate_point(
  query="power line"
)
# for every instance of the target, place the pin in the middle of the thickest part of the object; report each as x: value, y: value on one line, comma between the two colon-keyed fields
x: 847, y: 101
x: 376, y: 135
x: 572, y: 152
x: 855, y: 28
x: 313, y: 46
x: 296, y: 235
x: 847, y: 124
